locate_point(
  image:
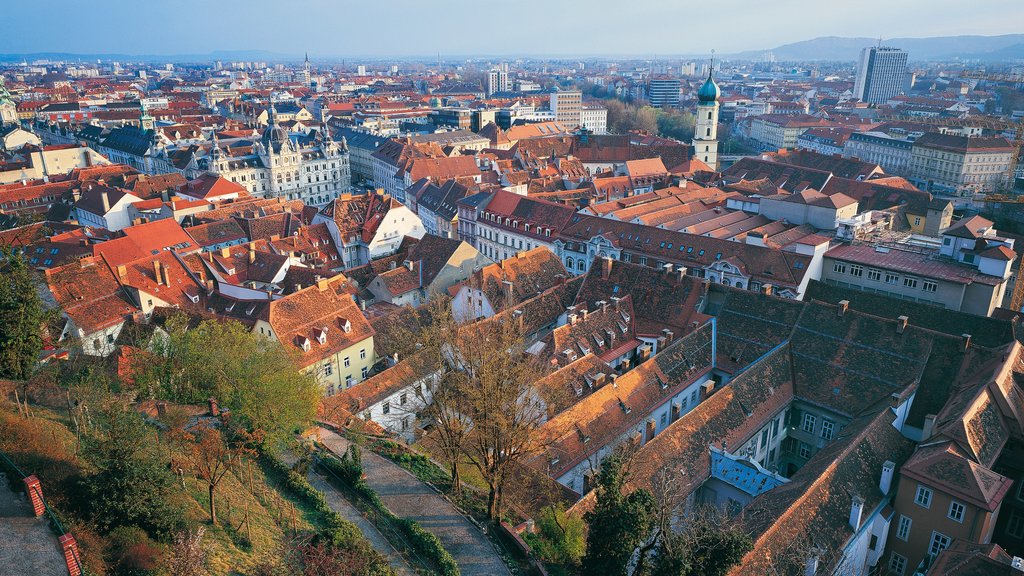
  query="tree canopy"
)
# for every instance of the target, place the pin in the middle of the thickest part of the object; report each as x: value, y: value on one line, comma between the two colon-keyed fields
x: 619, y: 523
x: 21, y: 317
x: 253, y: 376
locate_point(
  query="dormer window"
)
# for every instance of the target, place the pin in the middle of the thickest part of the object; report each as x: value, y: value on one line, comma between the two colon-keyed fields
x: 345, y: 325
x: 321, y: 335
x: 303, y: 342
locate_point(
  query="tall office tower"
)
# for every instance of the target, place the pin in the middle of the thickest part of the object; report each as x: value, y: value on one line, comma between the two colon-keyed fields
x: 663, y: 92
x: 497, y: 81
x: 880, y: 74
x: 360, y: 70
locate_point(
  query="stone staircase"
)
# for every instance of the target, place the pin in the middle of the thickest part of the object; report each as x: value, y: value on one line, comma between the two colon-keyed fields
x: 27, y: 545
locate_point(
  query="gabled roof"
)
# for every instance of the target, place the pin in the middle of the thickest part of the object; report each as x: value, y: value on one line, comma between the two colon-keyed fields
x: 527, y: 273
x: 971, y: 228
x: 211, y: 187
x: 216, y: 232
x: 92, y: 199
x: 610, y: 411
x: 660, y: 300
x: 146, y: 239
x: 89, y: 294
x: 945, y: 466
x: 371, y: 391
x: 325, y: 309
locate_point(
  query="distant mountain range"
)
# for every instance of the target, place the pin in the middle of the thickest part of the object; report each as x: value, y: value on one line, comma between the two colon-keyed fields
x: 1007, y: 47
x: 986, y: 48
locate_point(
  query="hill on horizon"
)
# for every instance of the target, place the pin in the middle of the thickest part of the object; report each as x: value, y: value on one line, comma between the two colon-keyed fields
x: 975, y: 47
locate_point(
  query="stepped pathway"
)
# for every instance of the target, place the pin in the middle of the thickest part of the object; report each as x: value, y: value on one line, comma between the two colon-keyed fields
x: 27, y: 545
x: 344, y: 508
x: 337, y: 501
x: 409, y: 498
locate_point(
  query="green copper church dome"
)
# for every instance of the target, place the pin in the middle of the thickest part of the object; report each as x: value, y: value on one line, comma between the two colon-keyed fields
x: 709, y: 92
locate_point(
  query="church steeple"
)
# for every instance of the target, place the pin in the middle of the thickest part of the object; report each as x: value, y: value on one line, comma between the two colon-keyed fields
x: 705, y: 134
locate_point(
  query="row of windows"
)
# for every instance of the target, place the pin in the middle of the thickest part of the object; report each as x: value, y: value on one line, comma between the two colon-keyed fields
x: 809, y: 424
x: 876, y: 275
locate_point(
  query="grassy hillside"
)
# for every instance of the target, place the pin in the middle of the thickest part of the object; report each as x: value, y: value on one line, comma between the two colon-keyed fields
x: 46, y: 445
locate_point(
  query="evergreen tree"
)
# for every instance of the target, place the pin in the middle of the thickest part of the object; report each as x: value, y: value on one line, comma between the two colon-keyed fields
x: 131, y: 485
x: 21, y: 316
x: 619, y: 522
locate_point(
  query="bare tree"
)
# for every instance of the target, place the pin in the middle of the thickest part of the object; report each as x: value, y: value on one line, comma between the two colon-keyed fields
x: 440, y: 401
x: 495, y: 378
x: 211, y: 458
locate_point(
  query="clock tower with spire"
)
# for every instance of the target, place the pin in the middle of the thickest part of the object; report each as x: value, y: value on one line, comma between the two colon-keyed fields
x: 705, y: 135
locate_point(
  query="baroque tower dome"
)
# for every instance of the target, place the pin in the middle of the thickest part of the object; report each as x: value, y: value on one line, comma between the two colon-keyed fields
x: 708, y: 92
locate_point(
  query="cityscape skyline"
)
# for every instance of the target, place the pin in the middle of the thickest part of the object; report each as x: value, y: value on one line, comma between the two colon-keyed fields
x: 163, y: 30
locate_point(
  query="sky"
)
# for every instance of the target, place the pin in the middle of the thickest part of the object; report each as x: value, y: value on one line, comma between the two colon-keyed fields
x: 381, y: 28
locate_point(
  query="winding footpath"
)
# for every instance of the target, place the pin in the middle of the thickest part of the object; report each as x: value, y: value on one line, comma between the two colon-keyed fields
x: 408, y: 497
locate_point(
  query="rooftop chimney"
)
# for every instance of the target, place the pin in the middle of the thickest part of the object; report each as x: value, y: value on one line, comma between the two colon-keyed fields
x: 901, y: 324
x: 888, y: 468
x: 813, y: 555
x: 766, y: 289
x: 122, y: 271
x: 929, y: 425
x: 667, y: 268
x: 606, y: 267
x: 856, y: 509
x: 252, y: 253
x: 844, y: 305
x: 166, y: 277
x: 681, y: 272
x: 156, y: 271
x: 225, y: 252
x: 965, y: 342
x: 106, y: 201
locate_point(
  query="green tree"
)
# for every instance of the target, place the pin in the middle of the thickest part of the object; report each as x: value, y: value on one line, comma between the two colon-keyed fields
x: 131, y: 485
x: 21, y: 317
x: 561, y: 538
x: 253, y: 376
x: 619, y: 522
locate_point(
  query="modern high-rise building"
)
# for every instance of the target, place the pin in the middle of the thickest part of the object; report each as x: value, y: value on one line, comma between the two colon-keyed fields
x: 568, y: 107
x: 663, y: 92
x: 881, y: 73
x: 497, y: 81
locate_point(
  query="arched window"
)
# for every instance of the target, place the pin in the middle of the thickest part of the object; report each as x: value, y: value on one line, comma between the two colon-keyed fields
x: 726, y: 282
x: 709, y: 115
x: 568, y: 263
x: 709, y: 132
x: 581, y: 266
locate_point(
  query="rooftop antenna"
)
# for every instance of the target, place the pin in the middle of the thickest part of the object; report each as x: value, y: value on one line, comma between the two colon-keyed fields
x: 879, y: 41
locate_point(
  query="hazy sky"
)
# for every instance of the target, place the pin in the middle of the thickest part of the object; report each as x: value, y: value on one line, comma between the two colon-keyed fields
x: 485, y: 27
